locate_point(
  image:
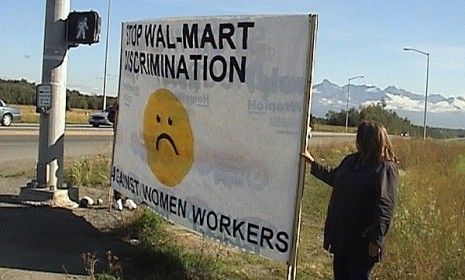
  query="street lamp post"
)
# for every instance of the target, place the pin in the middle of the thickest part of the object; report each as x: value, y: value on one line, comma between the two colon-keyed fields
x: 426, y: 88
x: 106, y: 60
x: 348, y: 95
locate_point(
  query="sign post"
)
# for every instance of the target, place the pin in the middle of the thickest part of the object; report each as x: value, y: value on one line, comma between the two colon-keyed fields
x: 52, y: 120
x: 79, y: 28
x: 292, y: 263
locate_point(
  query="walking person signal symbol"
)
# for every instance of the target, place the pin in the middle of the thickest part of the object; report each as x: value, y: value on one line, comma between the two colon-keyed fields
x: 82, y: 28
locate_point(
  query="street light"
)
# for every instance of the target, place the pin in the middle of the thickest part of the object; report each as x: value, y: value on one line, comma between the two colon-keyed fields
x: 426, y: 90
x: 106, y: 59
x: 348, y: 95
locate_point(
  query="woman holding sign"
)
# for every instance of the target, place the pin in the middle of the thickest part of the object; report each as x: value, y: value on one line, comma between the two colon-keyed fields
x: 361, y: 204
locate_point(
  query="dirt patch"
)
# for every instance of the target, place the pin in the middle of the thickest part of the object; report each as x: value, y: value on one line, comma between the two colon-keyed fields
x: 48, y: 243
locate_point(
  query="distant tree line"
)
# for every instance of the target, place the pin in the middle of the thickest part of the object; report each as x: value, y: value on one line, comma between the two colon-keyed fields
x: 393, y: 122
x: 22, y: 92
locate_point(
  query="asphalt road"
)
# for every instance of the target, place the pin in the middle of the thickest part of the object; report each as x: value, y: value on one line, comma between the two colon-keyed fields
x: 25, y: 147
x: 20, y: 142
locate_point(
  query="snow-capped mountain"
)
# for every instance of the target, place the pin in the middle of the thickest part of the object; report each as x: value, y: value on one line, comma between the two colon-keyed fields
x: 442, y: 111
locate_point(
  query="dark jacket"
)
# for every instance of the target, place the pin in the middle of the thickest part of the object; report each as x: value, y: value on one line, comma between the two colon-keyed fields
x: 361, y: 204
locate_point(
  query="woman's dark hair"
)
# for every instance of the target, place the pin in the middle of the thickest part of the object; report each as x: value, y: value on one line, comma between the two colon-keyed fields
x: 373, y: 143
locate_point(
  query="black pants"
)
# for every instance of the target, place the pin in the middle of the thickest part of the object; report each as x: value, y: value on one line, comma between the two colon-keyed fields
x: 352, y: 268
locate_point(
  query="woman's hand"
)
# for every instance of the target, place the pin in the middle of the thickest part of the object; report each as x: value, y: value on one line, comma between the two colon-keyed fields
x: 308, y: 157
x: 373, y: 249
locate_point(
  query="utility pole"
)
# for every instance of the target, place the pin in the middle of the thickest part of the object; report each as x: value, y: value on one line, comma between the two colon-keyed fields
x: 348, y: 97
x: 54, y: 72
x: 106, y: 59
x: 426, y: 88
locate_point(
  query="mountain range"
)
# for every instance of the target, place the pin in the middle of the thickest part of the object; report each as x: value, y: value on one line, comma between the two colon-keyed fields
x: 442, y: 112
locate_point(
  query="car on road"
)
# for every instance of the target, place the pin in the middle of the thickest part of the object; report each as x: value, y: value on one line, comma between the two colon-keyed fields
x: 100, y: 118
x: 8, y: 114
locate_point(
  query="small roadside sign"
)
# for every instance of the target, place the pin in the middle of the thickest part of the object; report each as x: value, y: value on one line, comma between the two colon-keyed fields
x: 43, y: 98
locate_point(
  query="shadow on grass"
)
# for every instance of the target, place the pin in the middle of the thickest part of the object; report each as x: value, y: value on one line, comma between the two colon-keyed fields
x: 155, y: 264
x: 158, y: 254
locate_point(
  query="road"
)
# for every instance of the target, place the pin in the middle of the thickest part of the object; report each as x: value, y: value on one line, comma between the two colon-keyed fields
x: 20, y: 142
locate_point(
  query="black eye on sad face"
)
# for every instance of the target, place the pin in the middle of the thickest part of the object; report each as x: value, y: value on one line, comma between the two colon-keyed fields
x: 170, y: 120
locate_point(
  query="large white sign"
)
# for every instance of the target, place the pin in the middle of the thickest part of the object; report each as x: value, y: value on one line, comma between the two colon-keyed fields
x: 209, y: 124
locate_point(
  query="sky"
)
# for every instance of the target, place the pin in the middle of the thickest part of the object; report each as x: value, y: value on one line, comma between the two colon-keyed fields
x: 354, y: 38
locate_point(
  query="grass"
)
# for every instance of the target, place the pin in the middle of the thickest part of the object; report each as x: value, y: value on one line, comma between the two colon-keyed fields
x: 162, y: 254
x: 333, y: 128
x: 426, y: 240
x: 19, y: 173
x: 428, y: 223
x: 91, y: 172
x: 461, y: 164
x: 72, y: 116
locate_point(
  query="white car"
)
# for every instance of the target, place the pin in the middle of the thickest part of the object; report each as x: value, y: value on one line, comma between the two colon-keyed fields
x: 8, y: 114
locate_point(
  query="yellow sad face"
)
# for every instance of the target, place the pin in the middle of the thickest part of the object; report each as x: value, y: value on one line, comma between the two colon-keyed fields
x: 168, y: 138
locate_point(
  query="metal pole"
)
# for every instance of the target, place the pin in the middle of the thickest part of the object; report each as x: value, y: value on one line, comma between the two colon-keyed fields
x: 426, y: 88
x: 426, y: 96
x: 54, y: 72
x: 294, y: 246
x: 106, y: 60
x: 347, y: 107
x: 348, y: 93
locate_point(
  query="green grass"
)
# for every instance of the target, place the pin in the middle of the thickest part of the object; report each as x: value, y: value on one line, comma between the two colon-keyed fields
x: 461, y: 164
x: 162, y: 255
x: 426, y: 239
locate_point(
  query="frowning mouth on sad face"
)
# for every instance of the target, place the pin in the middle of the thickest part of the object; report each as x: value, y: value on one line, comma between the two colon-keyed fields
x: 167, y: 137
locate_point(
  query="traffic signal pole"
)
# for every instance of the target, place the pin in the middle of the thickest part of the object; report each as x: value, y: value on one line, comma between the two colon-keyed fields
x: 54, y: 73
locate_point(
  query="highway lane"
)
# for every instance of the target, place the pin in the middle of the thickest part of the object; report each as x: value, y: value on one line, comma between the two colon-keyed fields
x: 16, y: 126
x: 15, y: 147
x: 32, y: 127
x: 20, y: 141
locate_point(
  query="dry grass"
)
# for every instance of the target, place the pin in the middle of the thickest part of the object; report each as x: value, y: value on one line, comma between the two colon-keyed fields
x: 73, y: 116
x: 426, y: 240
x: 333, y: 128
x: 428, y: 235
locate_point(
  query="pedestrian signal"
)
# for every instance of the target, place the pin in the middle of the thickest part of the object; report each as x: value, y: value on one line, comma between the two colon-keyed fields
x: 83, y: 28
